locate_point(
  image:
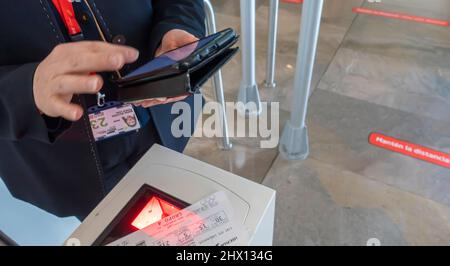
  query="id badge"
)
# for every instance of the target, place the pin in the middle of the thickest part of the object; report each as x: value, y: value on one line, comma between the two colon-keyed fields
x: 112, y: 120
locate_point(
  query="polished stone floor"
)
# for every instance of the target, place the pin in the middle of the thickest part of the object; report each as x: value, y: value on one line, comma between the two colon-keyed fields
x: 372, y: 74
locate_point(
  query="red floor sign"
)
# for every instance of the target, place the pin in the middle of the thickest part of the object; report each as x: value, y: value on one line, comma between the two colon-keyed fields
x: 293, y: 1
x: 400, y: 16
x: 410, y: 149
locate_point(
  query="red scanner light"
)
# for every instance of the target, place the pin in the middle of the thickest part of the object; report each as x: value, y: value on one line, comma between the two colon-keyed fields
x: 155, y: 210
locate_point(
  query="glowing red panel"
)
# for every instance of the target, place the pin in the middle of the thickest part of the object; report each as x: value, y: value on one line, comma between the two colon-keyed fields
x: 155, y: 210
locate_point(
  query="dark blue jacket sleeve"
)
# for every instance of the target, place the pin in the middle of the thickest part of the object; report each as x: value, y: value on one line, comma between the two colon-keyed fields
x: 186, y: 15
x: 19, y: 117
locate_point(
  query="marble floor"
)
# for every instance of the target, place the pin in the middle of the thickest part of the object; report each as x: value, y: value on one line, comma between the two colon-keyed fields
x: 372, y: 74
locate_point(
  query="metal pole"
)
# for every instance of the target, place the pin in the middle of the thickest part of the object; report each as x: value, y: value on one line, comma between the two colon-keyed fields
x: 6, y: 241
x: 248, y: 93
x: 272, y: 45
x: 294, y: 143
x: 217, y: 80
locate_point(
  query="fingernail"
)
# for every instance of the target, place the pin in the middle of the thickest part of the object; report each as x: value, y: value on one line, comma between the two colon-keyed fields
x: 93, y: 83
x: 133, y: 54
x: 77, y: 114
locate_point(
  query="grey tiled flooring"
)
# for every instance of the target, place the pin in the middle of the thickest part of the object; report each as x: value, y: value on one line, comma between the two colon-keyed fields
x: 372, y: 75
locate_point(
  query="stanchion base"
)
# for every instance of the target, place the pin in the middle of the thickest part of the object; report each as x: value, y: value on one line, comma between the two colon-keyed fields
x: 294, y: 143
x: 269, y: 85
x: 249, y: 96
x: 226, y: 147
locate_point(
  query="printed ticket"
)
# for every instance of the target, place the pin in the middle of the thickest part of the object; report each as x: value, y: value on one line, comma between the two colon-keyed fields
x: 208, y: 222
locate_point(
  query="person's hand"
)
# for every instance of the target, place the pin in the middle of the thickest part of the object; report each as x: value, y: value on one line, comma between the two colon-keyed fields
x: 171, y: 40
x: 67, y: 71
x: 174, y: 39
x: 158, y: 101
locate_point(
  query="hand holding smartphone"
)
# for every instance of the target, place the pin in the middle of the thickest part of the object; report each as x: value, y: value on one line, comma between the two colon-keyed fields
x: 179, y: 72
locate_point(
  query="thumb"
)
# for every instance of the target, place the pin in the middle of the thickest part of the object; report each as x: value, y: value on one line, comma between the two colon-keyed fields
x: 185, y: 40
x: 68, y: 111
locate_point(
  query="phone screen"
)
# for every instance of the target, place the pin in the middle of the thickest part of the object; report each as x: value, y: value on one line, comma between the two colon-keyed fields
x: 170, y: 57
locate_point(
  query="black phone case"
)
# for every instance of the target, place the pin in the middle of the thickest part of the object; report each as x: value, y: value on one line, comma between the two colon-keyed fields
x: 187, y: 82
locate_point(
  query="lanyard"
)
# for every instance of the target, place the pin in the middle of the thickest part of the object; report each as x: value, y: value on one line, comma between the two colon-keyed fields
x: 67, y: 13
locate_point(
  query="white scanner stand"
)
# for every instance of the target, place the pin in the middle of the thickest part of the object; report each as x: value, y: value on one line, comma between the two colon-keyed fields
x: 180, y: 181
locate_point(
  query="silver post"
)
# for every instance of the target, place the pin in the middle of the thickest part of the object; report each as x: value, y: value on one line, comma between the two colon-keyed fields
x: 294, y: 143
x: 248, y: 93
x: 272, y: 45
x: 217, y: 80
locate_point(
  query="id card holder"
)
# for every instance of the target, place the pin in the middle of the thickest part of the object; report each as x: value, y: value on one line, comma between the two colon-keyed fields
x: 113, y: 119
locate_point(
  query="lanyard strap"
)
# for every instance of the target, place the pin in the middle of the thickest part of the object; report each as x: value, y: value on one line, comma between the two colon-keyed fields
x: 67, y: 13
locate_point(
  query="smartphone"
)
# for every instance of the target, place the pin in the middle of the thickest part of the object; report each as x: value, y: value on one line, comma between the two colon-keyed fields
x: 179, y: 60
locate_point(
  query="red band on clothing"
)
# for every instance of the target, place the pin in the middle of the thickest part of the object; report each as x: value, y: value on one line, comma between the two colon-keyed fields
x: 67, y: 13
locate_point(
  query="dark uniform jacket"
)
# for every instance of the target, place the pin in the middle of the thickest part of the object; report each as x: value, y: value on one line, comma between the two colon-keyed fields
x: 52, y: 163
